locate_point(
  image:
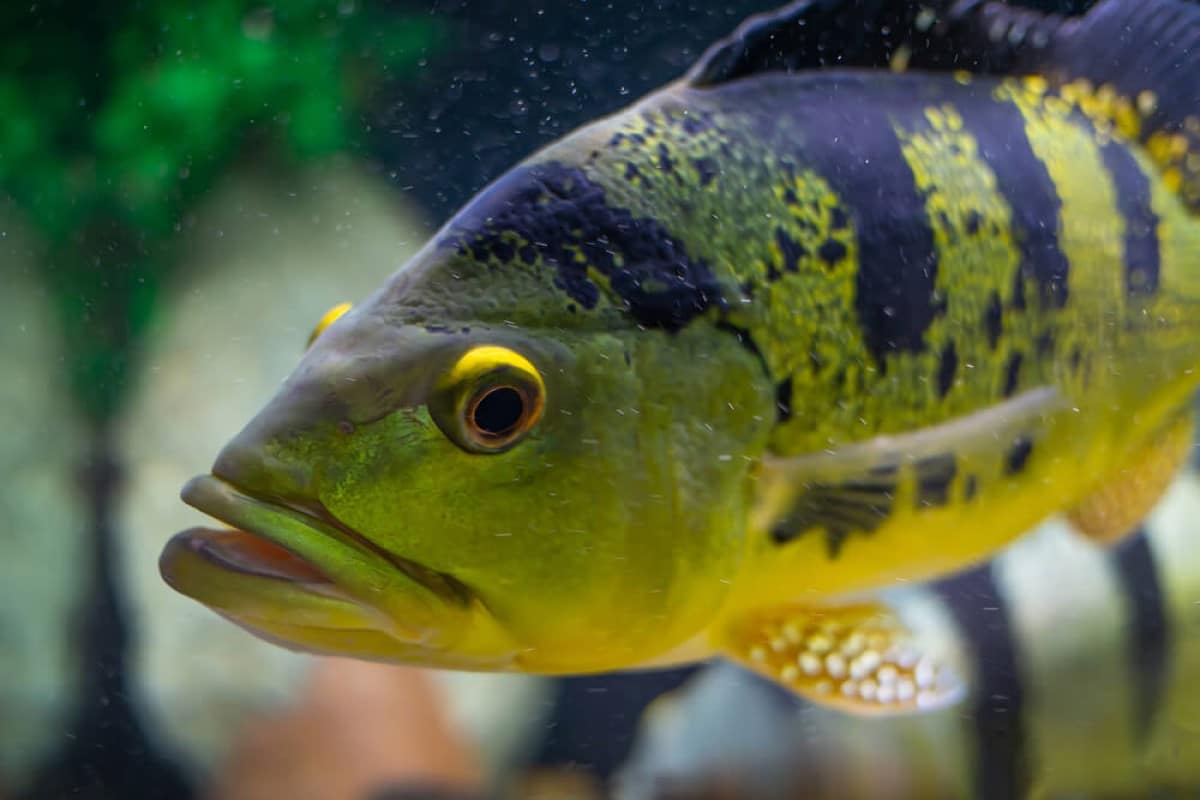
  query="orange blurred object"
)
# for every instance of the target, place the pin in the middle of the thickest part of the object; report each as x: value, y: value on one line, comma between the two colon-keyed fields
x: 358, y: 728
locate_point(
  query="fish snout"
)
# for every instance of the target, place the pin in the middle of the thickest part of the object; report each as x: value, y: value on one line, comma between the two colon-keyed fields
x: 257, y: 461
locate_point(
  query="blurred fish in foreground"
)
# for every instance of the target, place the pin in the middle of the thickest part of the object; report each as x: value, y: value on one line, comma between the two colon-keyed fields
x: 1085, y: 685
x: 262, y: 259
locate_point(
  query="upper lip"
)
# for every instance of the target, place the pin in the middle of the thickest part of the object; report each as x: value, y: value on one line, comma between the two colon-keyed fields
x: 241, y: 509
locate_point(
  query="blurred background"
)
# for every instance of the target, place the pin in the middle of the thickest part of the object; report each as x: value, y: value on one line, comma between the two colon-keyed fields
x: 184, y: 190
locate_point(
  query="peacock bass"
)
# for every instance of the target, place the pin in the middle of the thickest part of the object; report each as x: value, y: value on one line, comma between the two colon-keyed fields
x: 870, y: 291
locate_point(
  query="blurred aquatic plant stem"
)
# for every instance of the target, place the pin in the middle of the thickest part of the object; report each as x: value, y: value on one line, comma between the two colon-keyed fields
x: 115, y: 118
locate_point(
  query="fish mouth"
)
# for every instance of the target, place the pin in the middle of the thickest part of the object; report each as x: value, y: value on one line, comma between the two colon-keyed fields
x: 263, y: 539
x: 283, y: 564
x: 247, y: 554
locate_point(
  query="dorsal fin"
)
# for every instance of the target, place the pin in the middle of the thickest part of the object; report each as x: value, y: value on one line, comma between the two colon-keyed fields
x: 1146, y: 51
x: 815, y: 34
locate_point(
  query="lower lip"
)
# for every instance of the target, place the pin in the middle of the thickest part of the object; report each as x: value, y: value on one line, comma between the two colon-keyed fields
x: 245, y: 553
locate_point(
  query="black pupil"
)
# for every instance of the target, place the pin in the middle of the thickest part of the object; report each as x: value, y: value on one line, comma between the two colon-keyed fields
x: 499, y: 411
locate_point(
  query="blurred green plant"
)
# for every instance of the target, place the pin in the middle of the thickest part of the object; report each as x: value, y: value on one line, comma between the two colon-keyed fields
x: 115, y: 118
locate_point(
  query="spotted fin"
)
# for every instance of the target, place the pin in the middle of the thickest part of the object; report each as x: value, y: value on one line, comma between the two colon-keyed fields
x: 1124, y: 498
x: 857, y: 488
x: 862, y: 658
x: 1146, y: 52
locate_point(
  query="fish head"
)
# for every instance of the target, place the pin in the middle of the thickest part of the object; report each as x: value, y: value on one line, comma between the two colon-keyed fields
x: 474, y: 469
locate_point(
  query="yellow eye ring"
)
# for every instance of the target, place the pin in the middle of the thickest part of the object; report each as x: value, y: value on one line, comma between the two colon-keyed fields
x: 331, y: 316
x: 489, y: 400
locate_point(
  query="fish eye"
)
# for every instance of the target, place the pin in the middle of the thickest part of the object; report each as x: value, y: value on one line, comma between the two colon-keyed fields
x: 497, y: 411
x: 331, y: 316
x: 489, y: 400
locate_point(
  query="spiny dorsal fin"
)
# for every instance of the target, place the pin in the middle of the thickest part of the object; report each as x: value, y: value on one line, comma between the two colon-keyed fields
x: 1147, y: 52
x: 815, y: 34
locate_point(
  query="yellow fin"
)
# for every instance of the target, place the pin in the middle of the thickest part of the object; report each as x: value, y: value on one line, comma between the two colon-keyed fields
x: 1123, y: 499
x: 861, y: 658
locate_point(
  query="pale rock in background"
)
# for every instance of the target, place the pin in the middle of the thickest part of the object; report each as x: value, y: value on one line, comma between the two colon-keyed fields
x: 44, y: 557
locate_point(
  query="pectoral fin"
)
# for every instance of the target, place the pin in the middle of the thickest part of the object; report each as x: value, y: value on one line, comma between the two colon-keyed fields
x: 1125, y: 497
x: 862, y: 659
x: 855, y: 489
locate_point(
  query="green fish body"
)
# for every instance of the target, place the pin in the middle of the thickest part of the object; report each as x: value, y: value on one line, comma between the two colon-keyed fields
x: 705, y: 375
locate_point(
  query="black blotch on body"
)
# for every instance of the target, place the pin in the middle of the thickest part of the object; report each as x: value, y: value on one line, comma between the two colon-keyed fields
x: 791, y: 250
x: 934, y: 476
x: 831, y: 251
x: 559, y: 211
x: 1018, y: 454
x: 707, y: 169
x: 973, y: 223
x: 1012, y: 373
x: 1025, y: 183
x: 665, y: 162
x: 993, y: 319
x: 1149, y: 638
x: 1142, y: 257
x: 1018, y: 292
x: 947, y: 369
x: 783, y: 400
x: 504, y: 251
x: 1002, y: 766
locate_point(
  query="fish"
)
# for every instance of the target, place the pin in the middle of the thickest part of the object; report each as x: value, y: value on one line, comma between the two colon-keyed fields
x: 1036, y: 724
x: 870, y: 291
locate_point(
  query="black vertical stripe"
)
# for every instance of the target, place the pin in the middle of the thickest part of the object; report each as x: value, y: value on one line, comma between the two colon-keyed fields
x: 1149, y: 636
x: 1141, y: 223
x: 856, y: 150
x: 1002, y: 763
x: 1025, y: 183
